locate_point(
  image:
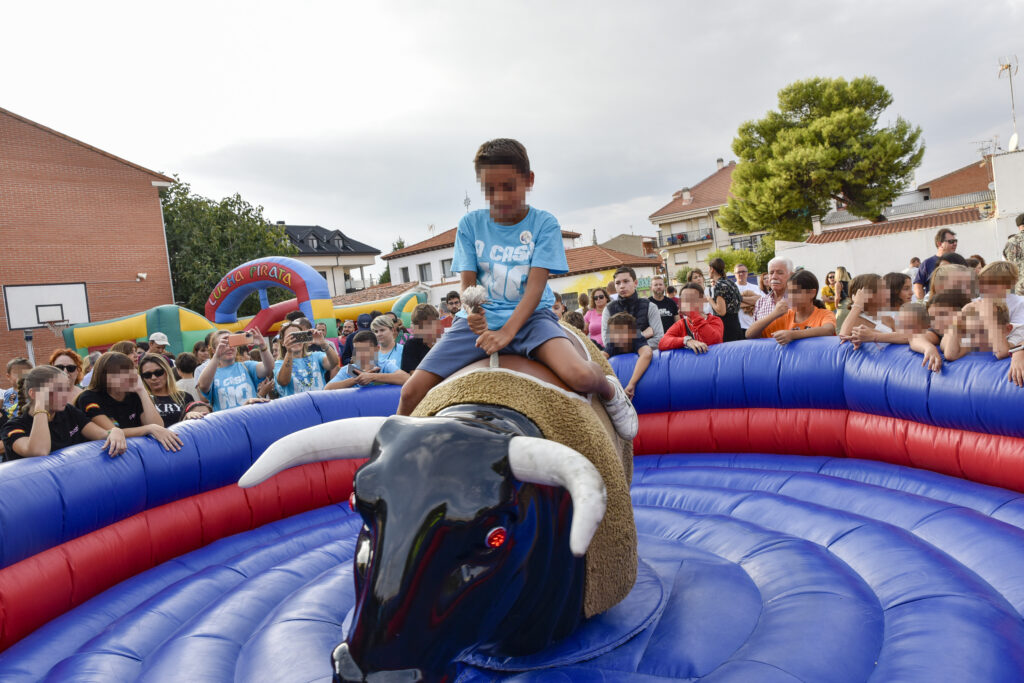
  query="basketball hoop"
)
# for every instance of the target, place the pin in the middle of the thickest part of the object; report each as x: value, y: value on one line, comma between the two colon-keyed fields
x: 57, y: 326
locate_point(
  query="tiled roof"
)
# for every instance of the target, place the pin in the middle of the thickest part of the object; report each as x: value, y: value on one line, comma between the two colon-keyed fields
x: 373, y: 293
x: 711, y: 192
x: 590, y: 259
x: 299, y: 235
x: 159, y: 176
x: 935, y: 220
x: 445, y: 239
x: 844, y: 216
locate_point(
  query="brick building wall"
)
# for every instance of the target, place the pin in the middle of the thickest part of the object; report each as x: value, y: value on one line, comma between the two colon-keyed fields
x: 974, y: 177
x: 72, y: 213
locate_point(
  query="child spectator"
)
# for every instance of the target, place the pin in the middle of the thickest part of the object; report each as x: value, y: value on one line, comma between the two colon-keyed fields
x: 130, y: 349
x: 593, y: 317
x: 70, y: 362
x: 694, y: 331
x: 300, y: 370
x: 362, y: 323
x: 982, y: 325
x: 583, y: 301
x: 197, y: 410
x: 943, y: 309
x: 870, y: 296
x: 575, y: 318
x: 671, y: 291
x: 90, y: 363
x: 697, y: 276
x: 117, y: 397
x: 997, y: 281
x: 186, y: 366
x: 913, y: 318
x: 558, y: 308
x: 426, y: 329
x: 228, y: 384
x: 645, y: 313
x: 363, y: 365
x: 901, y: 291
x: 623, y: 337
x: 170, y: 400
x: 47, y: 422
x: 953, y: 276
x: 511, y: 248
x: 201, y: 350
x: 797, y: 315
x: 16, y: 369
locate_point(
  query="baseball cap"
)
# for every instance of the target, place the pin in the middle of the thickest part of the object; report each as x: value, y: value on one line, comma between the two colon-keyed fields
x: 363, y: 321
x: 159, y: 338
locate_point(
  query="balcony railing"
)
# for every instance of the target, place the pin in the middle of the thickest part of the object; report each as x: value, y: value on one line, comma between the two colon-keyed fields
x: 678, y: 238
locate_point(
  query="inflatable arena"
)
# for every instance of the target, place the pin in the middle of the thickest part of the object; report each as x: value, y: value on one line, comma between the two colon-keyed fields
x: 806, y: 512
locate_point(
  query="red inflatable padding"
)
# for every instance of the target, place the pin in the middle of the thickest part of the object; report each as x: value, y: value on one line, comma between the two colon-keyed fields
x: 44, y: 586
x: 984, y: 458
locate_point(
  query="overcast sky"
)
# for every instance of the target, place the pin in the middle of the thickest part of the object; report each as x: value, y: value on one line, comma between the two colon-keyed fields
x: 365, y: 116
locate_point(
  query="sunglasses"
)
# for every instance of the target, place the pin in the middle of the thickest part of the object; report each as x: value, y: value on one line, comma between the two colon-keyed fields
x: 152, y: 373
x: 599, y: 296
x: 70, y: 369
x: 951, y: 241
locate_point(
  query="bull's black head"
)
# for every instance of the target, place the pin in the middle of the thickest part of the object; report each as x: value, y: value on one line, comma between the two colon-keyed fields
x: 455, y: 554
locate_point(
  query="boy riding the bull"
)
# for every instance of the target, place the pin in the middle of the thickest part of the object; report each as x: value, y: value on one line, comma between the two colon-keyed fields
x: 510, y: 249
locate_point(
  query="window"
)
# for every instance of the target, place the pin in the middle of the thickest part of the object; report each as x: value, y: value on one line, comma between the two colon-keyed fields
x: 446, y: 268
x: 424, y: 270
x: 314, y: 243
x: 750, y: 242
x: 405, y: 274
x: 571, y: 301
x: 681, y: 258
x: 322, y: 273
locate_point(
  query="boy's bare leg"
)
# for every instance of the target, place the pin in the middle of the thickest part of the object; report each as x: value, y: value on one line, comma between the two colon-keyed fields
x: 583, y: 376
x: 414, y: 389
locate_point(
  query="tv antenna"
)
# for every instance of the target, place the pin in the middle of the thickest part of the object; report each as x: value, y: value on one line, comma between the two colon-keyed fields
x: 1009, y: 66
x: 466, y: 202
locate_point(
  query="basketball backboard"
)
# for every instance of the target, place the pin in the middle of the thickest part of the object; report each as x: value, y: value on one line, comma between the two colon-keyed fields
x: 32, y: 306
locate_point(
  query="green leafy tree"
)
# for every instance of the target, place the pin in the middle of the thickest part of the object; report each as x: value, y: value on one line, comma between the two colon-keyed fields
x: 206, y: 239
x: 765, y: 252
x: 734, y: 256
x: 824, y: 143
x: 682, y: 273
x: 385, y: 277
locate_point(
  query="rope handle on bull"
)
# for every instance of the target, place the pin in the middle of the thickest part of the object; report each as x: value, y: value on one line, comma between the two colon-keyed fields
x: 473, y: 299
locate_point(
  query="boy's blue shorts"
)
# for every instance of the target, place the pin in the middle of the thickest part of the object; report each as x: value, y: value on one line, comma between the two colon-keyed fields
x: 457, y: 347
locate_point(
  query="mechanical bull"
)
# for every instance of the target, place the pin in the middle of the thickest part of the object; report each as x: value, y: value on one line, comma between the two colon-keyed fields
x: 476, y: 532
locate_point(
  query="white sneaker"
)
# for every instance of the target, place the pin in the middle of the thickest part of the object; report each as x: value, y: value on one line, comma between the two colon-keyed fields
x: 621, y: 411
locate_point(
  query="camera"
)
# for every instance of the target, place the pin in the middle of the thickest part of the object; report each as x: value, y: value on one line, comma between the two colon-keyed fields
x: 302, y: 337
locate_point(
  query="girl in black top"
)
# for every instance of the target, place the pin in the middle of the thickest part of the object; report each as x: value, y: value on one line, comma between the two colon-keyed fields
x: 725, y: 301
x: 47, y: 422
x: 168, y: 398
x: 116, y: 397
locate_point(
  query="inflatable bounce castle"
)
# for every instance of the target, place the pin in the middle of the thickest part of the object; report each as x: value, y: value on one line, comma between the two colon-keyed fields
x: 807, y: 512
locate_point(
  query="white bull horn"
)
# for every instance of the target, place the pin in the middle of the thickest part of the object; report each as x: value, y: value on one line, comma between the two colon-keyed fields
x: 539, y: 461
x: 338, y: 440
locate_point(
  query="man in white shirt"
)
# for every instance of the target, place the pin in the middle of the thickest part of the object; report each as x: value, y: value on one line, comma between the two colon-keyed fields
x: 750, y: 293
x: 915, y: 265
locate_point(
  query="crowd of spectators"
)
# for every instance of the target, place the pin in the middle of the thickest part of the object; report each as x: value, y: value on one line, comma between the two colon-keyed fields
x: 942, y: 307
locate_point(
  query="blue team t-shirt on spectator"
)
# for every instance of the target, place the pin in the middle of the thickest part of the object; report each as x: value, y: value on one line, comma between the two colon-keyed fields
x: 392, y: 357
x: 234, y: 385
x: 502, y: 255
x: 307, y: 374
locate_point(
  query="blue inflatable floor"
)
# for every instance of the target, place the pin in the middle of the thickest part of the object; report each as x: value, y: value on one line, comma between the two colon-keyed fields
x: 771, y: 568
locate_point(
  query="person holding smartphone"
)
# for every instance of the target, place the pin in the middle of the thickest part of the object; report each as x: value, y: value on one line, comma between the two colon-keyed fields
x: 229, y: 384
x: 298, y: 370
x: 363, y: 370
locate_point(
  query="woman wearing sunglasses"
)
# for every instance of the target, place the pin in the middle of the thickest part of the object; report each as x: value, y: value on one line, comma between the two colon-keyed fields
x: 598, y: 300
x: 170, y: 400
x: 68, y: 361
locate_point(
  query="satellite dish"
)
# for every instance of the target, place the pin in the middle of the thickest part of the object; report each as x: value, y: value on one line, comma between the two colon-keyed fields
x: 1012, y: 145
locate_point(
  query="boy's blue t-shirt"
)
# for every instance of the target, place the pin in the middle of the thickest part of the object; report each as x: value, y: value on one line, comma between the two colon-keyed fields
x: 307, y: 374
x: 502, y: 256
x: 234, y: 385
x: 345, y: 372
